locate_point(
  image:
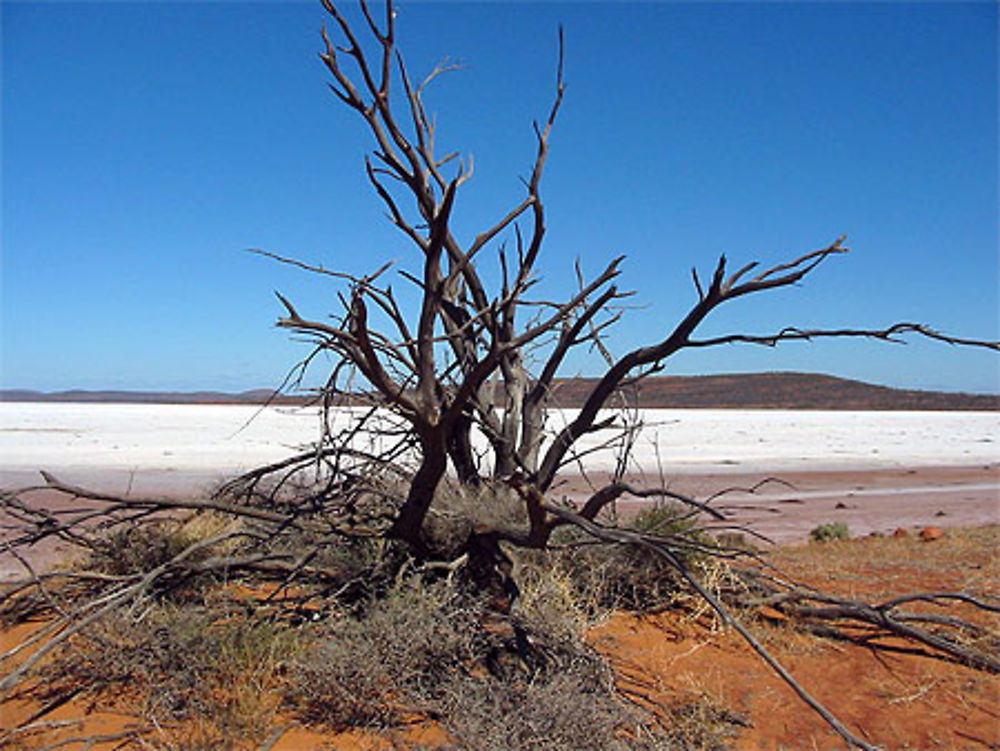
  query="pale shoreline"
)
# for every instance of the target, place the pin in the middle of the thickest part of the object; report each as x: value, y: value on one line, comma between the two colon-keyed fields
x: 868, y: 501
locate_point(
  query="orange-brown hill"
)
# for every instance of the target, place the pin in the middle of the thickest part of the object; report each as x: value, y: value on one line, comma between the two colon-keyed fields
x: 736, y: 391
x: 781, y: 391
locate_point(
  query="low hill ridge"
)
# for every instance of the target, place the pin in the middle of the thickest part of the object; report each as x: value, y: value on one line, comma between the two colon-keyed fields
x: 730, y: 391
x: 783, y: 391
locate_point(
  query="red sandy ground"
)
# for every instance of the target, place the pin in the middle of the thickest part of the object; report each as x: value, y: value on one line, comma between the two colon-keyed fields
x: 894, y: 701
x: 898, y: 701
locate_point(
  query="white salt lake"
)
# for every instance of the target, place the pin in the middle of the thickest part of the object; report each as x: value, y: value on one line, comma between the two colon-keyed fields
x: 211, y: 441
x: 877, y: 471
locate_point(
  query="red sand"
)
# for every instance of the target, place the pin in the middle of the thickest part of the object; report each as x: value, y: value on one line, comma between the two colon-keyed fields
x: 904, y: 701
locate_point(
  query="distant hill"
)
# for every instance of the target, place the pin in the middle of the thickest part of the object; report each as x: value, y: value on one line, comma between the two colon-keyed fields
x: 782, y: 391
x: 740, y: 391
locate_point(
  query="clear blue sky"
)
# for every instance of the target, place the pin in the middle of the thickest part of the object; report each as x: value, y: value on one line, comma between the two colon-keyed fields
x: 146, y: 146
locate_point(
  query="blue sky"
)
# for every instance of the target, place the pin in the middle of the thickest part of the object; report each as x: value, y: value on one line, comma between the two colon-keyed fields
x: 147, y: 146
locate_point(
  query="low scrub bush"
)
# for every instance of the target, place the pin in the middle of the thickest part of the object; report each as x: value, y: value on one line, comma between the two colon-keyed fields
x: 493, y: 682
x: 830, y: 531
x: 401, y: 647
x: 574, y: 709
x: 666, y: 520
x: 609, y: 576
x: 138, y: 548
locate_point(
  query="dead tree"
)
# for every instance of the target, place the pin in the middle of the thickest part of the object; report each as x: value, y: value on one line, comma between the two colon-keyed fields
x: 449, y: 398
x: 464, y: 361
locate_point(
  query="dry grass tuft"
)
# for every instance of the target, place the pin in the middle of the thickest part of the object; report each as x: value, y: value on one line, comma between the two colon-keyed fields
x: 178, y: 664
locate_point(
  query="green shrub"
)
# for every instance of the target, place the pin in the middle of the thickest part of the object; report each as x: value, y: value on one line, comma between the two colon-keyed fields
x: 666, y: 520
x: 138, y: 548
x: 830, y: 531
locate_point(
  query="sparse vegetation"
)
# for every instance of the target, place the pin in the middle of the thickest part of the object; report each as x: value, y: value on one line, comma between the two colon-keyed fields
x: 217, y: 667
x: 218, y: 663
x: 192, y: 672
x: 428, y: 649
